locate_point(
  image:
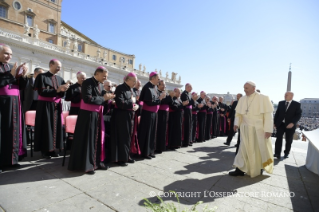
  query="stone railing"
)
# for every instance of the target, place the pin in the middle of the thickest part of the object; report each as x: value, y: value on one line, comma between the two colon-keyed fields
x: 67, y: 51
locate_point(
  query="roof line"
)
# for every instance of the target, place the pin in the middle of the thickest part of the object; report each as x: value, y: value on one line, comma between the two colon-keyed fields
x: 92, y: 41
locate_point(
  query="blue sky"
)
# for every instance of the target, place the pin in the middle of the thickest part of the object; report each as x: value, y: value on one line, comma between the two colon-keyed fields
x: 215, y: 45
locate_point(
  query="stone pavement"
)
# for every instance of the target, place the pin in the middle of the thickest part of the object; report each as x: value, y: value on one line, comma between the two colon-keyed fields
x: 199, y: 172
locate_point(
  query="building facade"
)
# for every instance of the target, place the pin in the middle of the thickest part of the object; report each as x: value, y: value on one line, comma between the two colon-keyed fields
x: 310, y: 107
x: 228, y: 98
x: 36, y: 34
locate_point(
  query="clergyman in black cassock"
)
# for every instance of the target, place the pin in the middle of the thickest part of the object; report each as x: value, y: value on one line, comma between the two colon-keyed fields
x: 231, y: 119
x: 12, y: 131
x: 201, y: 117
x: 123, y: 121
x: 209, y: 119
x: 175, y: 121
x: 195, y: 110
x: 29, y: 97
x: 187, y: 122
x: 73, y: 94
x: 215, y: 120
x: 135, y: 148
x: 162, y: 119
x: 148, y: 124
x: 48, y: 130
x: 88, y: 149
x: 222, y: 117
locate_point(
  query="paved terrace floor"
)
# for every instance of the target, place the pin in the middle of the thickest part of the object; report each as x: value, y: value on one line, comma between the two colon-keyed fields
x: 44, y: 185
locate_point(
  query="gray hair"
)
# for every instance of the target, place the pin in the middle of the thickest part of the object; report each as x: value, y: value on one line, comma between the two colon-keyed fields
x: 107, y: 81
x: 2, y: 46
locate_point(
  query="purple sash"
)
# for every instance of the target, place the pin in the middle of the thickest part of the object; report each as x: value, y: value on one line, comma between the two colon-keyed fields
x: 53, y: 99
x: 99, y: 109
x: 75, y: 104
x: 153, y: 109
x: 14, y: 91
x: 189, y: 106
x: 209, y: 112
x: 164, y: 107
x: 194, y: 112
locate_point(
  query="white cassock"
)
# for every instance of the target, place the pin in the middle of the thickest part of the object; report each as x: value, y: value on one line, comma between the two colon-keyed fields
x: 254, y: 116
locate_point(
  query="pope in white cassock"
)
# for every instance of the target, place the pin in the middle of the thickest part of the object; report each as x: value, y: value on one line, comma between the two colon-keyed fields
x: 254, y: 118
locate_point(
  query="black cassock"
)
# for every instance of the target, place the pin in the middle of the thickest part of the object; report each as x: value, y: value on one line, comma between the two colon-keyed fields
x: 175, y: 123
x: 215, y: 122
x: 222, y: 119
x: 208, y: 127
x: 29, y: 97
x: 162, y: 123
x: 12, y: 132
x: 48, y: 131
x: 187, y: 121
x: 135, y: 149
x: 88, y: 149
x: 147, y: 129
x: 73, y: 94
x: 195, y: 110
x: 122, y: 126
x: 201, y: 118
x: 231, y: 132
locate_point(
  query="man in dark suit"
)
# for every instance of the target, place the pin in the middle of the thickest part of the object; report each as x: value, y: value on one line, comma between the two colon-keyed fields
x: 231, y: 119
x: 286, y: 118
x: 29, y: 97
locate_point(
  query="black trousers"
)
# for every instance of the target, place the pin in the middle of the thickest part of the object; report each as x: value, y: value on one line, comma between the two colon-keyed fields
x: 289, y: 137
x: 238, y: 141
x: 231, y: 132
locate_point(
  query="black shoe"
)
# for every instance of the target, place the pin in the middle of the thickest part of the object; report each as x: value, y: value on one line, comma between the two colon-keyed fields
x: 131, y: 160
x: 190, y: 144
x: 227, y: 144
x: 236, y: 145
x: 54, y: 155
x: 153, y: 156
x: 159, y: 151
x: 236, y: 173
x: 46, y: 156
x: 103, y: 166
x: 286, y: 156
x: 90, y: 172
x: 147, y: 157
x: 185, y: 146
x: 277, y: 156
x: 121, y: 163
x: 16, y: 165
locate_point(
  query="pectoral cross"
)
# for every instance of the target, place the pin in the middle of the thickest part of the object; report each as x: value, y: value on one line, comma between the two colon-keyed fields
x: 246, y: 111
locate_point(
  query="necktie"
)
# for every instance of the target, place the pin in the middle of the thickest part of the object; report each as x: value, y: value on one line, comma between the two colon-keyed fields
x: 287, y: 103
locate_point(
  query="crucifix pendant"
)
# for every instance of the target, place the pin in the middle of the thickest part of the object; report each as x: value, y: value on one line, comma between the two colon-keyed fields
x: 246, y: 111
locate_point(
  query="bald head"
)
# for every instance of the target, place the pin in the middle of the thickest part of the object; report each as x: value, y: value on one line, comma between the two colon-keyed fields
x: 289, y: 96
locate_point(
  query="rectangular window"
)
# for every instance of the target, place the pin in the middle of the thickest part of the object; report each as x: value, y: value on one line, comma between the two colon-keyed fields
x: 51, y: 28
x: 114, y: 57
x: 80, y: 48
x: 53, y: 1
x: 3, y: 12
x: 50, y: 41
x: 131, y: 62
x: 30, y: 20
